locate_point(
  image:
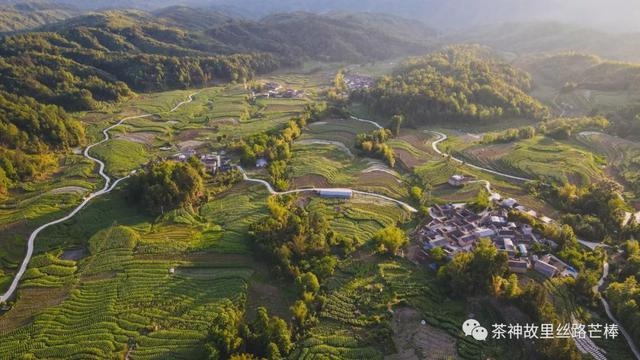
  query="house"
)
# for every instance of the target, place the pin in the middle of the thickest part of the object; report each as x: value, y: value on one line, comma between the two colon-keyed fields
x: 509, y: 203
x: 456, y: 180
x: 518, y: 266
x: 336, y: 193
x: 484, y: 232
x: 523, y: 250
x: 545, y: 268
x: 261, y: 163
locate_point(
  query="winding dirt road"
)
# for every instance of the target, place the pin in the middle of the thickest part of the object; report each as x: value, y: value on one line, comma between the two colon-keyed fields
x: 108, y: 187
x: 296, y: 191
x: 443, y: 137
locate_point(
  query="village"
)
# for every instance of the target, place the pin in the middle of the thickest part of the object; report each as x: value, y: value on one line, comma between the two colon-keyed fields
x: 275, y: 90
x: 455, y: 228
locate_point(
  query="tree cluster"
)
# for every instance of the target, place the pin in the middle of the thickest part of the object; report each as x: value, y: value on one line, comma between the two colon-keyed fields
x: 373, y: 144
x: 510, y: 135
x: 230, y: 336
x: 461, y: 83
x: 28, y: 130
x: 298, y: 241
x: 595, y: 212
x: 472, y: 273
x: 563, y: 128
x: 166, y: 185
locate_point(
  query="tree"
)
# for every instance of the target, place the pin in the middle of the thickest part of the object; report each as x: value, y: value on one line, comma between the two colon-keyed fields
x: 417, y: 195
x: 308, y: 283
x: 390, y: 239
x: 224, y: 333
x: 165, y: 185
x: 396, y: 122
x: 300, y: 312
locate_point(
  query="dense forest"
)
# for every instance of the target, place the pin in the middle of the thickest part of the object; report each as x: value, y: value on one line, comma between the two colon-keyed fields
x: 28, y: 128
x: 455, y: 84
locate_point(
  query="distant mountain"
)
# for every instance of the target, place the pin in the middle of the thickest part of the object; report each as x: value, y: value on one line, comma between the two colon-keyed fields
x: 31, y: 14
x: 81, y: 62
x: 617, y: 15
x: 550, y: 37
x: 575, y: 70
x: 335, y: 37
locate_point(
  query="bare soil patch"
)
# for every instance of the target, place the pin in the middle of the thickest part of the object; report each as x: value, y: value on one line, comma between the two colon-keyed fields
x: 310, y: 180
x: 416, y: 341
x: 73, y: 254
x: 407, y: 158
x: 142, y: 137
x: 32, y: 301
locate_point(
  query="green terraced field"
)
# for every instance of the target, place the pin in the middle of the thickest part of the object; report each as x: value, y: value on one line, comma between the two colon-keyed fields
x: 121, y: 156
x: 539, y: 158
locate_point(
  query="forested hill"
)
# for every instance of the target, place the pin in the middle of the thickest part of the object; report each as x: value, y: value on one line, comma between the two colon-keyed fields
x: 575, y: 70
x: 461, y: 83
x: 550, y: 37
x: 30, y: 14
x: 83, y: 61
x: 335, y: 37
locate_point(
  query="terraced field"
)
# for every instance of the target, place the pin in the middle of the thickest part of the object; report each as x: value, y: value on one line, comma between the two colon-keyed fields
x: 541, y: 158
x: 316, y: 164
x: 623, y: 157
x: 120, y: 303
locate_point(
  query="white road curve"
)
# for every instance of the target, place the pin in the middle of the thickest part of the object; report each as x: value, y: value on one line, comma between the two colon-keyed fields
x: 314, y: 190
x: 378, y: 126
x: 108, y: 187
x: 443, y: 137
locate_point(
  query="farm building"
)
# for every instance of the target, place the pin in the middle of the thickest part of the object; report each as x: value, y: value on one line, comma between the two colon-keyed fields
x: 456, y: 180
x: 518, y: 266
x: 545, y: 268
x: 261, y: 163
x: 336, y: 193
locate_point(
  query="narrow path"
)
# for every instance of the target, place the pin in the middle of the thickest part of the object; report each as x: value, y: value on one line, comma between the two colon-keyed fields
x: 108, y: 187
x: 378, y: 126
x: 443, y: 137
x: 296, y: 191
x: 563, y: 108
x: 607, y: 309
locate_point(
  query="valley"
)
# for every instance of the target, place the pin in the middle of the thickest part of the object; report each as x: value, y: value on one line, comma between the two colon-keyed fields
x: 188, y: 183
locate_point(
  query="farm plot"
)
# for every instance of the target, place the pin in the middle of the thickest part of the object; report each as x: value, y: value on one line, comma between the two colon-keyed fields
x: 623, y: 156
x: 358, y: 219
x: 539, y: 158
x: 121, y: 303
x: 121, y: 156
x: 340, y: 130
x: 316, y: 163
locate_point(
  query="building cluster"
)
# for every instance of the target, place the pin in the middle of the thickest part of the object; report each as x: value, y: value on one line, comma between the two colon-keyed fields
x: 455, y: 228
x: 213, y: 162
x: 358, y: 82
x: 275, y: 90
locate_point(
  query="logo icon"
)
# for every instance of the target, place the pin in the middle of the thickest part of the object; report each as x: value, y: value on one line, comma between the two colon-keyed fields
x: 472, y: 327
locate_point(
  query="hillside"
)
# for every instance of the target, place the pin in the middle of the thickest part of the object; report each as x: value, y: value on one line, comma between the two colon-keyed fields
x: 336, y: 37
x: 584, y: 71
x: 462, y: 83
x: 550, y: 37
x: 31, y: 14
x: 100, y: 56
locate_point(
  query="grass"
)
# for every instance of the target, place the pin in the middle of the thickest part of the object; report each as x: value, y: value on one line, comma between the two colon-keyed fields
x: 121, y: 156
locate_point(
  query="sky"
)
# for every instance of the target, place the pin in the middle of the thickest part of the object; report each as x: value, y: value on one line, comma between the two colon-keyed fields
x: 608, y: 15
